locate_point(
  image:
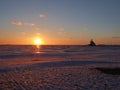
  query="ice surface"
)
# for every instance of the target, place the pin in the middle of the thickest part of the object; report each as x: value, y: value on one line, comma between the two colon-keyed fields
x: 58, y: 68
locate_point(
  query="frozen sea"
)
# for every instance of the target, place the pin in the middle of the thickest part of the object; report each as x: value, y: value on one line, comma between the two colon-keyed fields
x: 74, y: 52
x: 58, y: 67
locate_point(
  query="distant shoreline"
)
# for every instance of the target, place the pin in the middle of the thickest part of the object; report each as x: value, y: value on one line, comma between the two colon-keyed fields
x: 52, y: 45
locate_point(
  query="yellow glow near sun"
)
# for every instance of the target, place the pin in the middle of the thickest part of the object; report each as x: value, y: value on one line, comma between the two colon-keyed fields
x: 38, y: 41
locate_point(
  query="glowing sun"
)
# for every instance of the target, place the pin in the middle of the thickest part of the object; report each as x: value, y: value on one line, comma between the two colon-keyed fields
x: 38, y: 41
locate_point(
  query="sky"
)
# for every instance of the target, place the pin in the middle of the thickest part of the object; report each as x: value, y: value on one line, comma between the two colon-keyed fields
x: 64, y: 22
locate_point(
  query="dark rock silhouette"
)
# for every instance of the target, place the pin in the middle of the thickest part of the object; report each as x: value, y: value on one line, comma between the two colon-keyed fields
x: 113, y: 71
x: 92, y: 43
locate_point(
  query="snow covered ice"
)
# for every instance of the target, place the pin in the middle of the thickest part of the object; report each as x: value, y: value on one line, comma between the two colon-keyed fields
x: 58, y: 68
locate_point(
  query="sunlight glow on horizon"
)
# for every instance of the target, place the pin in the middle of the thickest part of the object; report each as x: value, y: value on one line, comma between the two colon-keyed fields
x: 59, y: 23
x: 38, y: 41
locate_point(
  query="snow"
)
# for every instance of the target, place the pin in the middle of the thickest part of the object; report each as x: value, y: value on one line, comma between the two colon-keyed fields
x: 72, y: 69
x: 58, y: 75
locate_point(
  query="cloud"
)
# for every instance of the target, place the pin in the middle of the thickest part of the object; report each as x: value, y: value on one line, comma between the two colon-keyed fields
x: 116, y: 37
x: 29, y: 24
x: 17, y: 23
x: 42, y: 15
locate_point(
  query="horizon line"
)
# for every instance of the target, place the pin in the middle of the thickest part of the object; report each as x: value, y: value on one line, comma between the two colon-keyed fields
x: 66, y: 44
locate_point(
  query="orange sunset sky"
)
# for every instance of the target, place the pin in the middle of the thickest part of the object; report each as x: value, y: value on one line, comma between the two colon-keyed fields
x: 61, y: 22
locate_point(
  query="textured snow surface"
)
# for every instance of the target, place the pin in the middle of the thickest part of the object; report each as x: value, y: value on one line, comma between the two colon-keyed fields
x: 58, y: 68
x: 34, y: 77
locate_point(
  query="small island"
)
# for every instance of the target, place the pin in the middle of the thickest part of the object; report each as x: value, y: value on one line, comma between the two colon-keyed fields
x: 92, y: 43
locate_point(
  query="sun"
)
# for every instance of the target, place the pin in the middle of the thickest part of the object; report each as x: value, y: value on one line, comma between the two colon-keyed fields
x: 38, y: 41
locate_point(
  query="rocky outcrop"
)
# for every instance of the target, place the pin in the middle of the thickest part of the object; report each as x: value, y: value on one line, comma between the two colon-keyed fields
x: 92, y: 43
